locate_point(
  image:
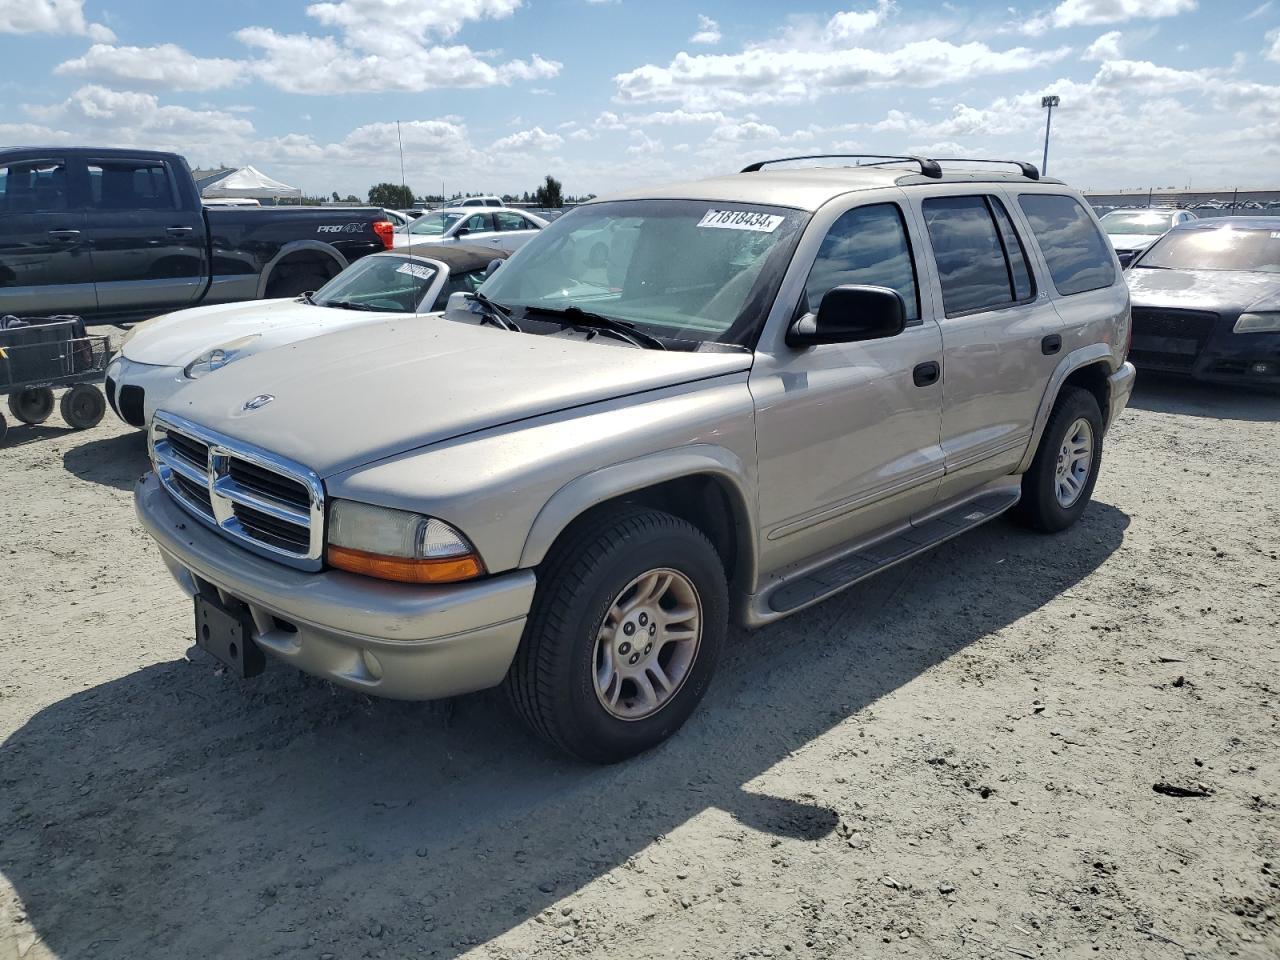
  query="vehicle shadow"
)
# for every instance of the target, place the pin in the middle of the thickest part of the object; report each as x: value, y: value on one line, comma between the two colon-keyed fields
x: 174, y: 812
x: 1165, y: 393
x: 113, y: 461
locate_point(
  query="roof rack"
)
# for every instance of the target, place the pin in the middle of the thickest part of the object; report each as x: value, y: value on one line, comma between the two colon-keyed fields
x: 1028, y: 170
x: 928, y: 167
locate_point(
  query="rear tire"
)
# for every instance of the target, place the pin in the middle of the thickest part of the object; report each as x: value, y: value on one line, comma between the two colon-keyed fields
x: 1057, y: 488
x: 83, y: 406
x: 4, y: 428
x: 32, y: 405
x: 627, y: 624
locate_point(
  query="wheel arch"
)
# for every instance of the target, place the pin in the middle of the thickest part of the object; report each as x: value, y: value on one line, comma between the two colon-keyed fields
x: 1088, y: 368
x: 299, y: 249
x: 701, y: 484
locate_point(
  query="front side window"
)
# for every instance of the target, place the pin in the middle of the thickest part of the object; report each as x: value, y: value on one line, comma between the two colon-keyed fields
x: 480, y: 223
x: 692, y: 270
x: 130, y: 185
x: 464, y: 282
x: 1079, y: 258
x: 34, y: 186
x: 866, y: 245
x: 386, y: 284
x: 973, y: 267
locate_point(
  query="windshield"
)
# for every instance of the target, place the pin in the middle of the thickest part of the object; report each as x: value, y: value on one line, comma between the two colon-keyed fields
x: 684, y: 269
x: 435, y: 224
x: 384, y: 283
x: 1219, y: 248
x: 1146, y: 222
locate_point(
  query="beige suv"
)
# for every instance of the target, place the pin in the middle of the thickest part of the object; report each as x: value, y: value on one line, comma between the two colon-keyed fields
x: 719, y: 400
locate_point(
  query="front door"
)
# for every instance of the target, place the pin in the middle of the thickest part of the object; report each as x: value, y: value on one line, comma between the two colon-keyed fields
x: 847, y: 434
x: 45, y: 267
x: 148, y: 250
x: 477, y: 228
x: 998, y: 336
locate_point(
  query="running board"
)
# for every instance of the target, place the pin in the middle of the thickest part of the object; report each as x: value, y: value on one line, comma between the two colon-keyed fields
x: 792, y: 594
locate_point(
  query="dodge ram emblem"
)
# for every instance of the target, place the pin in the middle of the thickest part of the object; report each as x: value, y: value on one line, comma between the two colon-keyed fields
x: 261, y: 400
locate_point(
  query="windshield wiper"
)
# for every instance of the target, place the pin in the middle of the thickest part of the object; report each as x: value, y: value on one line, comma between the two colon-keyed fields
x: 351, y: 305
x: 496, y: 313
x: 581, y: 319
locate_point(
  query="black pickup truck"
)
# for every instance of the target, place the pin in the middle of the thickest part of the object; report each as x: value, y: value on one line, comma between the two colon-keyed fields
x: 121, y: 235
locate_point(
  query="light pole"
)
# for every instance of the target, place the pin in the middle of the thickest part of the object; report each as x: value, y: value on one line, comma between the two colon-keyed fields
x: 1048, y: 103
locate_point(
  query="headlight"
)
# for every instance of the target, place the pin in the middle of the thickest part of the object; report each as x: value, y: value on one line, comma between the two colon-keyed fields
x: 217, y: 358
x: 398, y: 545
x: 1257, y: 323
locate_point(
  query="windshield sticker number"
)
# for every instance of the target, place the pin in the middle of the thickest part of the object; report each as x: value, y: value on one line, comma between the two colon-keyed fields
x: 741, y: 220
x: 415, y: 270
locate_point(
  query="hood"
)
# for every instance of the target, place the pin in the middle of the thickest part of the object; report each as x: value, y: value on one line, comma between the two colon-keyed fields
x: 1221, y: 291
x: 176, y: 339
x: 350, y: 398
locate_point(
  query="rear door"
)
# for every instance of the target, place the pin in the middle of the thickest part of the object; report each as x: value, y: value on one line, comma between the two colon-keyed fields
x: 514, y: 229
x: 148, y: 245
x: 1000, y: 334
x: 45, y: 267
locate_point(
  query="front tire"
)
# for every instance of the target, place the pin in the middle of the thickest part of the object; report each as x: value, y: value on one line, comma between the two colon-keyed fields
x: 1059, y: 485
x: 627, y: 626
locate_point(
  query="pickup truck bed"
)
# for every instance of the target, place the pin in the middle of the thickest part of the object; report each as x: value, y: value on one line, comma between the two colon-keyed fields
x: 118, y: 236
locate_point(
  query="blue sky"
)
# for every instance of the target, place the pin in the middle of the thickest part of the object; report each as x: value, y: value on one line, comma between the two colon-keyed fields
x: 493, y: 94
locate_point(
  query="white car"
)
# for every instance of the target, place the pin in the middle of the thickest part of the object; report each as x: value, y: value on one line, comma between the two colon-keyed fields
x: 159, y: 357
x: 503, y: 228
x: 1132, y: 231
x: 481, y: 201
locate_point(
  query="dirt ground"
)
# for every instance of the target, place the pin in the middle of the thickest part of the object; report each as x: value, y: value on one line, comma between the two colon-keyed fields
x: 957, y: 759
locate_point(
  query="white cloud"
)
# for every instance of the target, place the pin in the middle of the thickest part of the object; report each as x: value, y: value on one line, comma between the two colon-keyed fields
x: 166, y: 66
x: 708, y: 31
x: 759, y: 75
x: 50, y: 16
x: 1273, y: 52
x: 371, y: 24
x: 534, y: 139
x: 1106, y: 47
x: 1258, y: 11
x: 1089, y: 13
x: 847, y: 25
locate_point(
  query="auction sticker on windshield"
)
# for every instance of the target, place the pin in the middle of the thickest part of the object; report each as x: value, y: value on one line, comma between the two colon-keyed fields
x: 416, y: 270
x: 741, y: 220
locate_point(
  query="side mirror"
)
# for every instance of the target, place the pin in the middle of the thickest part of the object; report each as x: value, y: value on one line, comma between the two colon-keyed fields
x: 462, y: 231
x: 494, y: 264
x: 849, y: 314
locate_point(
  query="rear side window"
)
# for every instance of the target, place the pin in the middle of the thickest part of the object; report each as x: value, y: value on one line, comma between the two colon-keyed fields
x: 981, y: 263
x: 510, y: 221
x: 130, y: 185
x: 33, y: 186
x: 866, y: 245
x: 1079, y: 258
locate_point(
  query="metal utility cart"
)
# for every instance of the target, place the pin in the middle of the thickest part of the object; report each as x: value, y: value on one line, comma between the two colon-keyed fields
x: 47, y: 353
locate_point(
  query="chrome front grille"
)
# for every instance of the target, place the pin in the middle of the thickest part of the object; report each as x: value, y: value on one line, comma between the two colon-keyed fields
x: 263, y: 502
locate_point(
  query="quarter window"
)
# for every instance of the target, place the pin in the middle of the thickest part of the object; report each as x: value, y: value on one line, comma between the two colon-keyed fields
x: 1079, y: 258
x: 34, y: 186
x: 866, y: 245
x: 981, y: 261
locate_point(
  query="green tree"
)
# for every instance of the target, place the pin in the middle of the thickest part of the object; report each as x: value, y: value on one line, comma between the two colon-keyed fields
x: 390, y: 195
x: 549, y: 194
x: 336, y: 198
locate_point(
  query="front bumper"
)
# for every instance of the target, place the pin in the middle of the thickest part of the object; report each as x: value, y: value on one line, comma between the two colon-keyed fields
x: 385, y: 639
x: 1120, y: 385
x: 1203, y: 346
x: 136, y: 390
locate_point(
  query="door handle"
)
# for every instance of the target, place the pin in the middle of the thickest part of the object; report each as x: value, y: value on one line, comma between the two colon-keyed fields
x: 178, y: 231
x: 926, y: 374
x: 1051, y: 345
x: 64, y: 234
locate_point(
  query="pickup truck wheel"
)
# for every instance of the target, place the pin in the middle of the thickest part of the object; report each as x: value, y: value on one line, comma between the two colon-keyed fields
x: 82, y: 406
x: 32, y: 405
x: 626, y: 628
x: 1057, y: 488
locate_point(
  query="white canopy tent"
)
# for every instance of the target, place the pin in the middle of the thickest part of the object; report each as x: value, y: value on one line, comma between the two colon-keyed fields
x: 250, y: 182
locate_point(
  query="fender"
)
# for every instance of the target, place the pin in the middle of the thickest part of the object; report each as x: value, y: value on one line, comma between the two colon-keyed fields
x: 1072, y: 362
x: 296, y: 246
x: 577, y: 496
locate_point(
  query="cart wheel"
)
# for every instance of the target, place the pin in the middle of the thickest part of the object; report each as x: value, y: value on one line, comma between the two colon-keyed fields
x: 4, y: 427
x: 32, y: 405
x: 83, y: 406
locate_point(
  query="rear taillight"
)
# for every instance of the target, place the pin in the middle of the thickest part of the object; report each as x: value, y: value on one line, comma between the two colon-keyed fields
x: 386, y: 230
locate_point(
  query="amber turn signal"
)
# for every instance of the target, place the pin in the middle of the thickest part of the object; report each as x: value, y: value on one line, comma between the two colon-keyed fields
x: 405, y: 570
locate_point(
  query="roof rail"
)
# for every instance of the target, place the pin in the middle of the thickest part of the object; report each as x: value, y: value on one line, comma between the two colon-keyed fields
x: 1028, y: 170
x: 928, y: 167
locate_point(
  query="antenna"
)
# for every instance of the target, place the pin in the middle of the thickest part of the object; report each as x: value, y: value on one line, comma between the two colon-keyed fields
x: 405, y: 187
